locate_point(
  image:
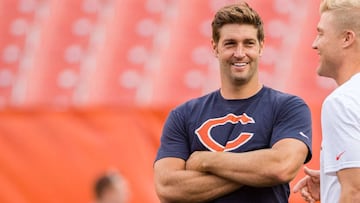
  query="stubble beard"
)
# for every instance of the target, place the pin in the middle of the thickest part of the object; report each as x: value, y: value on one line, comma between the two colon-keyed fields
x: 244, y: 79
x: 240, y: 81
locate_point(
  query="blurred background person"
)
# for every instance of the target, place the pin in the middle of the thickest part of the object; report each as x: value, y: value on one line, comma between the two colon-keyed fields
x: 111, y: 188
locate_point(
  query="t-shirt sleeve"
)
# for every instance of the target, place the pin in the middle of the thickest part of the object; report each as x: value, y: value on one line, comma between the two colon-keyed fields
x: 293, y: 121
x: 174, y: 141
x: 341, y: 134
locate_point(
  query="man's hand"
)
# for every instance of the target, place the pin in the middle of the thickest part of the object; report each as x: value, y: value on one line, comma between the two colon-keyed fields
x: 309, y: 186
x: 196, y: 161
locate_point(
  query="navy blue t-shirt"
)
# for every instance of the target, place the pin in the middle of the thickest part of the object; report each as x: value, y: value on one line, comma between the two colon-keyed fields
x: 212, y: 123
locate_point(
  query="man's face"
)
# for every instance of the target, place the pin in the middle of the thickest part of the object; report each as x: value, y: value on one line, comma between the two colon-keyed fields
x: 238, y: 51
x: 327, y: 44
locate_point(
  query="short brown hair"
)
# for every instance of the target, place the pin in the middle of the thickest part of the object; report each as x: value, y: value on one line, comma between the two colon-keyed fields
x: 240, y: 13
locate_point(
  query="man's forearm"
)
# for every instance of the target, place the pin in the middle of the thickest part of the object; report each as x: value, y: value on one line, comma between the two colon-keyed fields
x: 193, y: 186
x: 349, y: 197
x: 349, y: 179
x: 257, y: 173
x: 259, y: 168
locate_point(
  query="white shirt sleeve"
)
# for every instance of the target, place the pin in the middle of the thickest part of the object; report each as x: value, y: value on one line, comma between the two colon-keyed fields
x: 341, y: 133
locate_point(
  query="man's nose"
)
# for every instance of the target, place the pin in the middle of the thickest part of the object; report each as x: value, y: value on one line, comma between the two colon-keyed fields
x: 239, y: 52
x: 314, y: 44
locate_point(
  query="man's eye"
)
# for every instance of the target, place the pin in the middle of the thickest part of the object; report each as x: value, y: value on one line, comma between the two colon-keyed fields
x: 229, y: 43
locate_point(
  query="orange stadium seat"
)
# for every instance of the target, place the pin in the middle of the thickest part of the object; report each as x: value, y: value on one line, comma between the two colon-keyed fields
x: 63, y: 37
x: 121, y: 64
x: 186, y: 63
x: 16, y: 18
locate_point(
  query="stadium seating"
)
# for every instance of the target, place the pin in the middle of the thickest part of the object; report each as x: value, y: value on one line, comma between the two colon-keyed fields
x: 118, y: 75
x: 61, y: 42
x: 16, y: 19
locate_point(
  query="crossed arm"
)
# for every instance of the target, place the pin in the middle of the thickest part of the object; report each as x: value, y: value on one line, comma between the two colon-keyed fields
x: 209, y: 175
x: 174, y: 183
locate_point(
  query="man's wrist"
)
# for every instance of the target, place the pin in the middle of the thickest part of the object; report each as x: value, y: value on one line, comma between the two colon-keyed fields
x: 207, y: 160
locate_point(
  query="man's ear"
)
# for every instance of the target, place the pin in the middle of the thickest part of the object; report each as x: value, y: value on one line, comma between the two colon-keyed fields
x: 349, y: 37
x: 215, y: 48
x: 261, y: 48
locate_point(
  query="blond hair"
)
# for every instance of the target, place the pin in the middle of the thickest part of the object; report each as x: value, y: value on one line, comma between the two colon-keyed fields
x: 347, y: 13
x: 328, y: 5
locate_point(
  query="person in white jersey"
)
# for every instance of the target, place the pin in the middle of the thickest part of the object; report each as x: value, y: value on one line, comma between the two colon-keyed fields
x: 338, y: 45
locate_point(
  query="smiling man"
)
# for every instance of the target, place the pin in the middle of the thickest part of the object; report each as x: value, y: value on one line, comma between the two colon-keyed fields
x: 241, y: 143
x: 338, y: 46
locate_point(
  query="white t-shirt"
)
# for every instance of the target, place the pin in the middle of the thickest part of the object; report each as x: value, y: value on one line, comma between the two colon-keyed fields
x: 340, y: 148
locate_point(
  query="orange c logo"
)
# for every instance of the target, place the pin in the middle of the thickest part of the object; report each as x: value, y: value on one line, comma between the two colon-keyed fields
x: 204, y: 132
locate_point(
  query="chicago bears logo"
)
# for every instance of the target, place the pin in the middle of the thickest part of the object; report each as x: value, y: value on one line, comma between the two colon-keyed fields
x: 204, y: 132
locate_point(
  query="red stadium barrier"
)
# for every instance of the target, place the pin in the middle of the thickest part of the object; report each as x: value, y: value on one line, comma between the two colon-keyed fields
x: 48, y: 156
